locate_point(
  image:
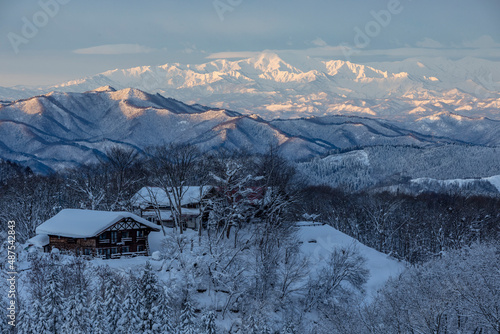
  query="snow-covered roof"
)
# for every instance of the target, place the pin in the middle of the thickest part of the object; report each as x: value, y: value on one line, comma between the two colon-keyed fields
x: 157, y: 196
x: 75, y: 223
x: 38, y: 240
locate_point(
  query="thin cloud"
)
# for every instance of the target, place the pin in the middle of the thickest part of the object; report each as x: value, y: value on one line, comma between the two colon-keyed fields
x: 319, y: 42
x: 114, y: 49
x: 345, y: 52
x: 429, y: 43
x: 484, y: 41
x: 233, y: 54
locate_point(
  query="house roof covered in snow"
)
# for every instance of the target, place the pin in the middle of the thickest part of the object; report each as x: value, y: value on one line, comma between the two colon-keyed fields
x: 75, y: 223
x: 38, y: 240
x: 157, y: 196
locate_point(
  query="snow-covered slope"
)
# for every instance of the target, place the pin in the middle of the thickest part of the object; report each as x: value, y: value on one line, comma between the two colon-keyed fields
x: 318, y: 242
x: 461, y: 169
x: 273, y: 87
x: 458, y: 183
x: 60, y: 129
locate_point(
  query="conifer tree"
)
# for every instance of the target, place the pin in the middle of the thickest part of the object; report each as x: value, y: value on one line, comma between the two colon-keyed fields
x: 188, y: 319
x: 24, y: 322
x: 37, y: 317
x: 76, y: 321
x: 209, y: 325
x: 150, y: 302
x: 112, y: 303
x: 129, y: 321
x: 98, y: 316
x: 53, y: 305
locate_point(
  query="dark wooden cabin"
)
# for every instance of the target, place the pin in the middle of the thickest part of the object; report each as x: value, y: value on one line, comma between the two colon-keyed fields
x: 104, y: 234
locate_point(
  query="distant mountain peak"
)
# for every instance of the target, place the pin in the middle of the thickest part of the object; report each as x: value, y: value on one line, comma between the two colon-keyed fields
x: 106, y: 88
x: 286, y: 85
x: 269, y: 62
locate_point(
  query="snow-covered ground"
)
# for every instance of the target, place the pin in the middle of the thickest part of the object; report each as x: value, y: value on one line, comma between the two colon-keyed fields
x: 494, y: 180
x: 318, y: 241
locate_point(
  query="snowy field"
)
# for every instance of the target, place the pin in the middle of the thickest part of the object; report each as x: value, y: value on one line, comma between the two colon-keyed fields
x: 318, y: 241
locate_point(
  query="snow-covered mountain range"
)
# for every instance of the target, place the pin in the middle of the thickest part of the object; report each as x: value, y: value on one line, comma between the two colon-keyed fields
x: 60, y: 129
x: 284, y: 87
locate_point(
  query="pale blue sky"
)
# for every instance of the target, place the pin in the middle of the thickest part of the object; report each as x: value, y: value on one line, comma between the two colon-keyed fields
x: 85, y: 37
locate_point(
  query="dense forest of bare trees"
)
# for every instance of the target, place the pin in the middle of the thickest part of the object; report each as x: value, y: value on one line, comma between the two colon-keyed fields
x: 246, y: 255
x: 412, y: 228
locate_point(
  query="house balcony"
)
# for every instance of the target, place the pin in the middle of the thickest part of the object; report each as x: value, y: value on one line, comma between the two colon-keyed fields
x: 104, y: 241
x: 127, y: 239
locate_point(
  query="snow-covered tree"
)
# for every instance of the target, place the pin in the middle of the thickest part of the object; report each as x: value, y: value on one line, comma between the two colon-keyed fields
x: 234, y: 207
x: 458, y: 293
x: 188, y: 321
x: 129, y: 318
x: 24, y: 321
x: 53, y: 303
x: 112, y: 302
x: 98, y: 315
x: 342, y: 277
x: 77, y: 314
x: 171, y: 169
x: 121, y: 164
x: 37, y: 316
x: 150, y: 304
x: 91, y: 182
x: 208, y: 320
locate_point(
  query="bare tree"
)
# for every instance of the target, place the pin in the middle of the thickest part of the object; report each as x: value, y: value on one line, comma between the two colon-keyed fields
x: 91, y: 181
x: 171, y: 169
x: 121, y: 164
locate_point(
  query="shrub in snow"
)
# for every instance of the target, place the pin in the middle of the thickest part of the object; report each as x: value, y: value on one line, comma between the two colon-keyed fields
x: 156, y: 256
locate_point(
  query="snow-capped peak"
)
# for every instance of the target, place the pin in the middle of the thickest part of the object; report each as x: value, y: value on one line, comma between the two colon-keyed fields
x: 286, y: 85
x: 106, y: 88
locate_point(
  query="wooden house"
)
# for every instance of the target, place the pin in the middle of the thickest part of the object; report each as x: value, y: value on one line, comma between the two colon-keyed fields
x: 153, y: 204
x: 104, y: 234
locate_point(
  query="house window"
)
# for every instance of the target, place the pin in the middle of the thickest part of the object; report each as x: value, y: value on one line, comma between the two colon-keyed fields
x: 103, y: 236
x: 125, y: 234
x: 125, y: 249
x: 140, y: 248
x: 114, y: 236
x: 114, y: 250
x: 87, y: 251
x: 140, y: 233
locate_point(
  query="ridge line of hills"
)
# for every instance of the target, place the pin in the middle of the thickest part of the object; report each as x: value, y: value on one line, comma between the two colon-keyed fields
x: 275, y: 86
x: 60, y: 129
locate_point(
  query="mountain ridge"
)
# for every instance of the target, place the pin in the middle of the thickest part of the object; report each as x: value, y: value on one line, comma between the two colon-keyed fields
x: 280, y: 87
x: 61, y: 129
